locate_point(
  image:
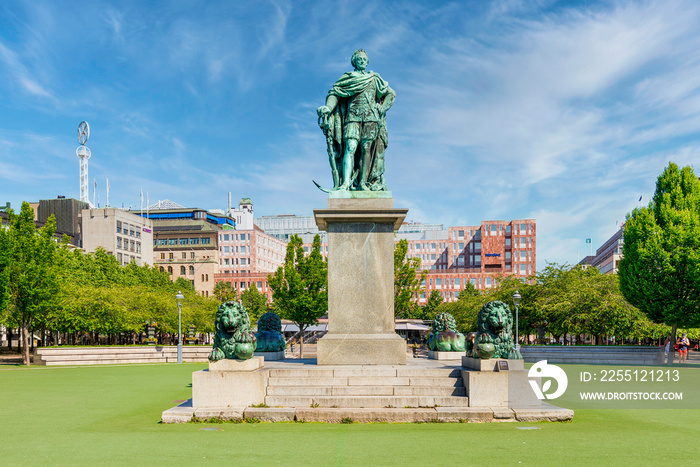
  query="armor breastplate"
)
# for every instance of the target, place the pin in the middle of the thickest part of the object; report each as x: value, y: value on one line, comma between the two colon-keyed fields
x: 363, y: 106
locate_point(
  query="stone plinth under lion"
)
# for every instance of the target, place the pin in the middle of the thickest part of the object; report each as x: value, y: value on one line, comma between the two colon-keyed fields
x: 235, y: 377
x: 360, y: 228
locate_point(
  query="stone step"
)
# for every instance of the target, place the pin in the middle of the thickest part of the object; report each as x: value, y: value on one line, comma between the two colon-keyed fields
x: 366, y: 401
x: 364, y: 371
x: 365, y: 391
x: 366, y: 381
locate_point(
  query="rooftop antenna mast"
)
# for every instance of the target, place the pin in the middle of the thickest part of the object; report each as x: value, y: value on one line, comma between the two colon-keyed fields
x: 83, y: 153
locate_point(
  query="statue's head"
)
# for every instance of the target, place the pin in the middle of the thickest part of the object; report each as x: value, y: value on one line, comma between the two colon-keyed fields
x: 360, y: 55
x: 232, y: 316
x: 444, y: 322
x: 495, y: 317
x: 270, y: 322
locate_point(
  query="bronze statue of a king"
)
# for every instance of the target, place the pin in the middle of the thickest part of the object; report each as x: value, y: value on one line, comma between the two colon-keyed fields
x: 354, y: 123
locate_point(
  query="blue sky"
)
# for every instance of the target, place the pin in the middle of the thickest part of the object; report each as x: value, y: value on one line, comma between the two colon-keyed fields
x: 565, y: 112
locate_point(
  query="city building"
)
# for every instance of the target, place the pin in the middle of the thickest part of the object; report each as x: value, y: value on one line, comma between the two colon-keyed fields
x: 123, y: 234
x: 607, y: 257
x: 459, y: 255
x: 67, y: 214
x: 185, y: 242
x: 286, y: 225
x: 248, y: 254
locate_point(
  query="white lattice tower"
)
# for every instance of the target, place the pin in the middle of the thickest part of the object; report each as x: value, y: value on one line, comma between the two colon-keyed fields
x: 83, y: 153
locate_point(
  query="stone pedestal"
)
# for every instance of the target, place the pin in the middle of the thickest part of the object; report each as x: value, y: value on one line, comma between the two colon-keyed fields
x: 360, y: 228
x: 438, y: 355
x: 229, y: 383
x: 271, y: 356
x: 491, y: 364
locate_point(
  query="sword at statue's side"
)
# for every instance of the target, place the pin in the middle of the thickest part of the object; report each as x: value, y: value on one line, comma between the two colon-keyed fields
x: 325, y: 127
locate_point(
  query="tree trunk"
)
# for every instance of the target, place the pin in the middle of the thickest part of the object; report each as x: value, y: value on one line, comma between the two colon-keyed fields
x: 301, y: 341
x: 25, y: 346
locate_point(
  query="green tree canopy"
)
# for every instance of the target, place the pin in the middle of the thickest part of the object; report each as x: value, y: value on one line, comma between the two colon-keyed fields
x: 254, y: 302
x: 30, y: 280
x: 660, y: 271
x: 224, y: 291
x: 299, y: 287
x: 407, y: 285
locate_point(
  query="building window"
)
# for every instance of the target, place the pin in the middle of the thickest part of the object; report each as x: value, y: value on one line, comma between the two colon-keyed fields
x: 205, y: 241
x: 507, y: 229
x: 170, y: 256
x: 202, y: 277
x: 119, y: 258
x: 182, y: 270
x: 119, y: 226
x: 508, y: 242
x: 170, y: 270
x: 119, y: 243
x: 184, y: 255
x: 192, y: 255
x: 138, y: 247
x: 226, y: 237
x: 523, y: 255
x: 191, y: 270
x: 162, y: 256
x: 494, y: 230
x: 162, y: 269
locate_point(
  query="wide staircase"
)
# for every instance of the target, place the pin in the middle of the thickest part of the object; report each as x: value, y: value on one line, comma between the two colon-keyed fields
x: 354, y: 387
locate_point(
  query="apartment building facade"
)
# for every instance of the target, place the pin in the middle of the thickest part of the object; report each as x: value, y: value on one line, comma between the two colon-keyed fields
x: 125, y: 235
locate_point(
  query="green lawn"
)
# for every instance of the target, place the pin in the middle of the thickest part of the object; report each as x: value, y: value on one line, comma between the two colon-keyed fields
x: 110, y: 415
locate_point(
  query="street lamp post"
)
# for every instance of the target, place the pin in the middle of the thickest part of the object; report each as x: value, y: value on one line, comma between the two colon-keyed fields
x: 516, y: 302
x: 179, y: 298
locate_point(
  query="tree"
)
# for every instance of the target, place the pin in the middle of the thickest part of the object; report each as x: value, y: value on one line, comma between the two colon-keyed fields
x: 299, y: 287
x: 254, y: 302
x: 430, y: 308
x: 660, y: 270
x: 224, y: 291
x: 407, y: 285
x: 27, y: 267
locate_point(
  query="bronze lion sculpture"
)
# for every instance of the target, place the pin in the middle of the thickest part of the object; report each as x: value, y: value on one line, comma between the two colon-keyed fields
x: 445, y: 337
x: 233, y: 338
x: 494, y: 337
x: 269, y: 335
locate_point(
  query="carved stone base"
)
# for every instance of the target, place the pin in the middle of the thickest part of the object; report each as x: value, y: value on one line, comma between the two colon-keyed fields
x: 437, y: 355
x: 237, y: 365
x: 365, y: 349
x: 271, y: 356
x: 491, y: 364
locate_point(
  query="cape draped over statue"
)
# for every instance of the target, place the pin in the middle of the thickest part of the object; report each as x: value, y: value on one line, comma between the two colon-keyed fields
x: 349, y: 85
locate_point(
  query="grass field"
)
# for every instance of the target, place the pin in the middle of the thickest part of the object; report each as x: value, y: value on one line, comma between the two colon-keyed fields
x: 110, y: 415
